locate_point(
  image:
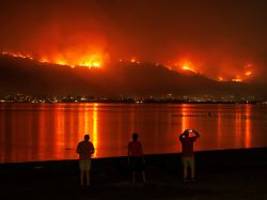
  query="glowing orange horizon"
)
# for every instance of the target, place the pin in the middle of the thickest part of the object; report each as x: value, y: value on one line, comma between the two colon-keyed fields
x: 87, y: 60
x: 185, y: 65
x: 90, y: 60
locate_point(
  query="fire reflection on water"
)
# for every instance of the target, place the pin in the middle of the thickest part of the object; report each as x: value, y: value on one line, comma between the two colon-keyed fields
x: 184, y: 118
x: 248, y: 126
x: 95, y: 128
x: 51, y: 132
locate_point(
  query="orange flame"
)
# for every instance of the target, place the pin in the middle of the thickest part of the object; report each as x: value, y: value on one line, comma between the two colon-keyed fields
x: 88, y: 60
x: 96, y: 58
x: 184, y: 65
x: 248, y: 73
x: 134, y: 60
x: 220, y: 78
x: 17, y: 55
x: 237, y: 79
x: 187, y: 68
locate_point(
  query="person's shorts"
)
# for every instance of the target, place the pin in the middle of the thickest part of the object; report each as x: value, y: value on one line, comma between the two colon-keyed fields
x: 85, y: 165
x: 188, y: 161
x: 137, y: 164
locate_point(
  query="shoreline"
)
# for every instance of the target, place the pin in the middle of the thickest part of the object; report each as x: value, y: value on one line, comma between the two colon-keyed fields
x: 225, y: 174
x: 226, y: 154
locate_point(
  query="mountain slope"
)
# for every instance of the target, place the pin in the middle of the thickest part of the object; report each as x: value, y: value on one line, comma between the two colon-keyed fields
x: 27, y: 76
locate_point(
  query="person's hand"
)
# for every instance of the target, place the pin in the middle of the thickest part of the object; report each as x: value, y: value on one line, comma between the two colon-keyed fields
x: 196, y: 132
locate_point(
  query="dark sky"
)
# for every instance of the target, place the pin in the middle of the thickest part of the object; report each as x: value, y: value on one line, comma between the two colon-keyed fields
x: 218, y: 36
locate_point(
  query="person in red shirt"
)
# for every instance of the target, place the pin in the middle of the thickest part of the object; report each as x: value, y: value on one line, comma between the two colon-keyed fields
x: 85, y: 149
x: 136, y: 157
x: 187, y: 139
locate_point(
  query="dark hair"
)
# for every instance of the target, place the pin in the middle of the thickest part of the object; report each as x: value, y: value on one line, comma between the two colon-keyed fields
x: 186, y: 132
x: 86, y: 137
x: 135, y: 136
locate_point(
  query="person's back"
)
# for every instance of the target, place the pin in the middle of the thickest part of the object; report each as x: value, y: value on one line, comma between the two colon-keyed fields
x: 188, y: 145
x: 85, y: 149
x: 135, y: 149
x: 187, y: 140
x: 135, y: 156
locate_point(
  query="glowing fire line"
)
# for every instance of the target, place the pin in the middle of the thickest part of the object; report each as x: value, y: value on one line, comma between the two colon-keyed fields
x: 90, y: 61
x: 97, y: 60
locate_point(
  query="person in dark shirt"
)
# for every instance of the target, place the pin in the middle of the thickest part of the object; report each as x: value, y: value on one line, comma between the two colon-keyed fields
x: 85, y: 149
x: 136, y: 157
x: 187, y: 139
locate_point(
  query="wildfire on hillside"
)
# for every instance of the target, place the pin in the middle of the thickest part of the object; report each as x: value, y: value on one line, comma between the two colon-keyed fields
x: 244, y: 74
x: 95, y: 60
x: 98, y: 60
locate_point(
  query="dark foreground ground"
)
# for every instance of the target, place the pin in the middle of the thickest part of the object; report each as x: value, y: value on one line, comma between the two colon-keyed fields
x: 233, y: 174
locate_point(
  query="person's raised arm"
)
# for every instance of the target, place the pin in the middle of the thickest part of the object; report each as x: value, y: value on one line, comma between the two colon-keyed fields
x: 196, y: 134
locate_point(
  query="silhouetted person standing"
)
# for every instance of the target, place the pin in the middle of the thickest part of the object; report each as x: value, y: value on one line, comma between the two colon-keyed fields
x: 136, y: 158
x: 187, y: 139
x: 85, y: 149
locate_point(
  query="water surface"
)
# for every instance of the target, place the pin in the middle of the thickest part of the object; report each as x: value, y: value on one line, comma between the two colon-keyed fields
x: 52, y: 131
